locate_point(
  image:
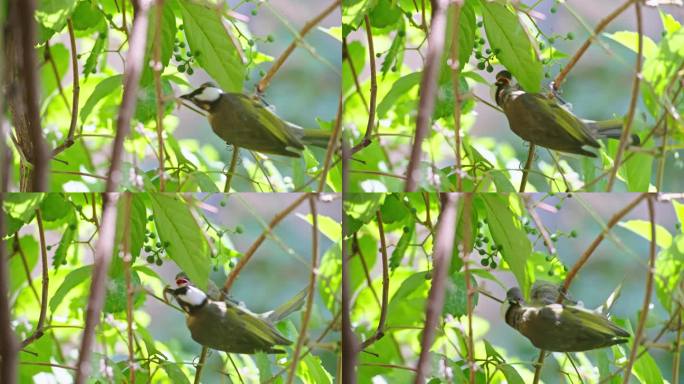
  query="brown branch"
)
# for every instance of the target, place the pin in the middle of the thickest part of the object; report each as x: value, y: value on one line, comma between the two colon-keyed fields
x: 250, y: 252
x: 539, y: 224
x: 8, y: 342
x: 380, y: 330
x: 157, y: 69
x: 526, y: 169
x: 266, y: 80
x: 128, y: 261
x: 443, y: 246
x: 592, y: 247
x: 25, y: 25
x: 312, y: 286
x: 40, y: 327
x: 134, y: 63
x: 649, y: 290
x: 455, y: 73
x: 76, y: 90
x: 627, y: 128
x: 200, y: 365
x: 373, y: 90
x: 102, y: 258
x: 599, y: 27
x: 428, y: 90
x: 350, y: 345
x: 332, y: 146
x: 467, y: 236
x: 231, y: 168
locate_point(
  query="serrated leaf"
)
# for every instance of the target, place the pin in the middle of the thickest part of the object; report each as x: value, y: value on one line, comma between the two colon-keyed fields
x: 402, y: 246
x: 187, y: 245
x: 218, y: 54
x: 67, y: 239
x: 95, y: 52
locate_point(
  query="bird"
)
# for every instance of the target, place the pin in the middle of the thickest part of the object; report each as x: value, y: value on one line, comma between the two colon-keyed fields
x: 228, y: 326
x: 544, y: 122
x: 559, y: 327
x: 250, y: 123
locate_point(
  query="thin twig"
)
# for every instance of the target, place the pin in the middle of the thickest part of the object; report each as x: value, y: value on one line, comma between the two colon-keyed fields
x: 250, y: 252
x: 625, y: 136
x: 40, y: 327
x: 134, y: 62
x: 200, y: 365
x: 455, y: 73
x: 266, y: 80
x: 157, y: 69
x: 647, y: 295
x: 76, y: 91
x: 126, y: 245
x: 231, y: 168
x: 312, y: 286
x: 539, y: 224
x: 370, y: 125
x: 428, y: 90
x: 467, y: 237
x: 526, y: 169
x: 8, y: 342
x: 599, y: 27
x: 350, y: 345
x: 443, y: 246
x: 332, y: 146
x: 380, y: 330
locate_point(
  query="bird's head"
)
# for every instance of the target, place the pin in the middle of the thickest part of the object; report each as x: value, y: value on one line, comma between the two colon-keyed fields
x: 205, y: 96
x: 188, y: 296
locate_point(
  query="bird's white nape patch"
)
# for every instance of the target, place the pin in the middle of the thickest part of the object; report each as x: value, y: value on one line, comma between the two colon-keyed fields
x: 193, y: 296
x: 209, y: 94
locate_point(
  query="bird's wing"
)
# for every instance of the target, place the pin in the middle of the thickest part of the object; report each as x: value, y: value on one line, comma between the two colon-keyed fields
x: 268, y: 119
x: 254, y: 325
x: 596, y: 322
x: 571, y: 124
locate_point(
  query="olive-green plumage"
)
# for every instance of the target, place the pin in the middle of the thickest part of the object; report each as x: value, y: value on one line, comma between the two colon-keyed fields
x: 248, y: 123
x: 560, y: 327
x: 226, y: 325
x: 542, y: 121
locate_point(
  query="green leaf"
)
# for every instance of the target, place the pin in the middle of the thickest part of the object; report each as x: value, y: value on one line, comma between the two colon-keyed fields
x: 310, y: 370
x: 643, y: 229
x: 331, y: 228
x: 103, y: 89
x: 630, y: 40
x: 400, y: 89
x: 505, y: 32
x: 356, y: 55
x: 402, y: 246
x: 22, y: 206
x: 646, y: 370
x: 214, y: 49
x: 53, y: 15
x: 136, y: 222
x: 95, y: 52
x: 393, y: 209
x: 466, y: 33
x: 384, y: 14
x: 60, y: 56
x: 187, y: 245
x: 17, y: 272
x: 86, y: 15
x: 512, y: 376
x: 67, y: 239
x: 456, y: 295
x: 362, y: 206
x: 507, y: 232
x: 395, y: 54
x: 74, y: 278
x: 637, y: 171
x: 54, y: 207
x: 175, y: 374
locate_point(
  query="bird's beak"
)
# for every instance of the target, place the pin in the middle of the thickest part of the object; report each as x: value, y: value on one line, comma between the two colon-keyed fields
x: 186, y: 97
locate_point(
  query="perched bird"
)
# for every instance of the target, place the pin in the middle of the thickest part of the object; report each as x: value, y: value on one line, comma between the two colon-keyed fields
x: 249, y: 123
x: 560, y: 327
x: 227, y: 326
x: 544, y: 122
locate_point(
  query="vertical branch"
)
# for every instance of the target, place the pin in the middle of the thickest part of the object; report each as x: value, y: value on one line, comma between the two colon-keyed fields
x: 231, y: 168
x: 102, y: 258
x: 467, y: 236
x: 157, y: 68
x: 380, y: 330
x: 40, y: 327
x: 428, y: 90
x: 200, y: 365
x: 312, y: 286
x: 76, y: 88
x: 625, y: 134
x: 649, y: 290
x: 332, y: 146
x: 266, y: 80
x: 443, y: 246
x: 455, y: 73
x: 526, y: 169
x: 8, y: 343
x: 128, y: 261
x: 134, y: 62
x: 349, y: 342
x: 373, y: 90
x: 25, y: 25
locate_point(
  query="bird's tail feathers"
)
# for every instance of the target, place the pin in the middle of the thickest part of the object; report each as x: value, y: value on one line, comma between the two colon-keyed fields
x: 611, y: 129
x: 285, y: 309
